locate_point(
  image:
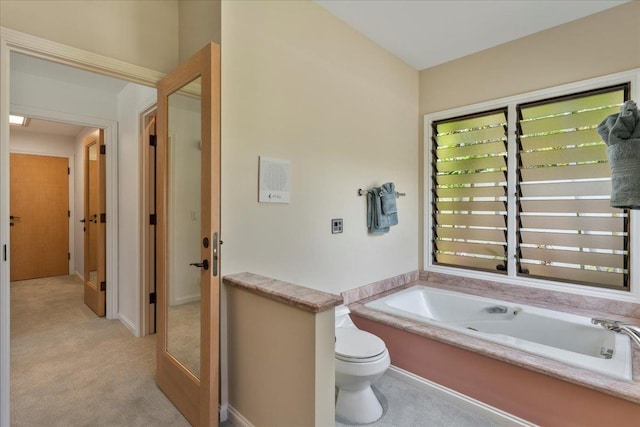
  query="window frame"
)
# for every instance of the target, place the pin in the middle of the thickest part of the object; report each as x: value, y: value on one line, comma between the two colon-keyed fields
x: 512, y: 278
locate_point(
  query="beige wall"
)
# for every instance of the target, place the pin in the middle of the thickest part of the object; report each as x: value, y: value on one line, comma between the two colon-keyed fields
x: 143, y: 33
x: 299, y: 84
x: 199, y: 24
x: 281, y: 366
x: 600, y: 44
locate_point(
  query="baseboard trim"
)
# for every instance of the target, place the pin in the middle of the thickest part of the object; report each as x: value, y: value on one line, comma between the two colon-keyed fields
x: 499, y: 417
x: 127, y: 323
x: 237, y: 419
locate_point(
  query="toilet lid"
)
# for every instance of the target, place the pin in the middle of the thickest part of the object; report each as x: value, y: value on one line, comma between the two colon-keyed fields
x: 357, y: 344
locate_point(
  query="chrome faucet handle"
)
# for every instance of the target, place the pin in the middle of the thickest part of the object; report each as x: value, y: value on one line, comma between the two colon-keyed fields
x: 606, y: 323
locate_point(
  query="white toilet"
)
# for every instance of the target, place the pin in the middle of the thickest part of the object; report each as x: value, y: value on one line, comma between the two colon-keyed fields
x: 361, y: 358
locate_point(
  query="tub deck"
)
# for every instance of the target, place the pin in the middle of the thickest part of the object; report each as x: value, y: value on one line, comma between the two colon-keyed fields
x: 629, y: 391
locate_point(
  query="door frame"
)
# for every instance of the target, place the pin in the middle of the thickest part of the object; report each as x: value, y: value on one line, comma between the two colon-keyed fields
x: 15, y: 41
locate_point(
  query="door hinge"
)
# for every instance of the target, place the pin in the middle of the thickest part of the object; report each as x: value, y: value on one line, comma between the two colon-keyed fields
x: 69, y: 256
x: 68, y: 214
x: 152, y: 298
x: 103, y: 149
x: 4, y: 252
x: 68, y: 171
x: 152, y: 140
x: 152, y: 219
x: 103, y: 286
x: 103, y: 217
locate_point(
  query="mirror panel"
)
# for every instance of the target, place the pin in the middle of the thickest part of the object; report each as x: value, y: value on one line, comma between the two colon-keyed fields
x: 91, y: 222
x: 184, y: 227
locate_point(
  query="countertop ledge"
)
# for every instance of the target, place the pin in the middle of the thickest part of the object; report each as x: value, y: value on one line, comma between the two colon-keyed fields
x: 613, y: 387
x: 298, y: 296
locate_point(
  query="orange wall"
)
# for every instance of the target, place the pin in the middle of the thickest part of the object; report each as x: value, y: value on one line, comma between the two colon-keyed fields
x: 535, y: 397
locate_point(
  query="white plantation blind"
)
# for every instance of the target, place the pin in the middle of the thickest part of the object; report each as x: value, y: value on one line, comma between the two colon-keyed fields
x: 469, y: 185
x: 566, y: 229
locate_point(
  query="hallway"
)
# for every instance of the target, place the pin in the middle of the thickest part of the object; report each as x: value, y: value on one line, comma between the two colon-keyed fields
x: 69, y: 367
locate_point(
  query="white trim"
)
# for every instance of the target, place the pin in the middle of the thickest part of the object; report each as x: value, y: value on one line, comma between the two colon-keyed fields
x: 5, y: 294
x: 633, y: 295
x: 237, y: 419
x: 127, y: 323
x: 72, y: 216
x: 78, y: 58
x: 223, y: 410
x: 11, y: 40
x: 495, y: 415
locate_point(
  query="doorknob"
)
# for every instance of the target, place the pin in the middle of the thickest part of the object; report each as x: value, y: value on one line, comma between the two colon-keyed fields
x: 204, y: 264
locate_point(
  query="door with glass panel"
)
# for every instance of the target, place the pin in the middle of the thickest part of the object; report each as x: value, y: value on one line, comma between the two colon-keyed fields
x: 188, y: 226
x: 95, y: 223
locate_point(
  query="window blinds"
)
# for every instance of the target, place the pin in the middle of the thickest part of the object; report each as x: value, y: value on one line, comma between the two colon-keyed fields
x: 566, y: 229
x: 469, y: 188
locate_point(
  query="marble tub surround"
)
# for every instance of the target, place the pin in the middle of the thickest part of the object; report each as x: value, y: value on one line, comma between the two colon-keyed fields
x: 621, y: 389
x: 378, y: 287
x: 561, y: 301
x: 307, y: 299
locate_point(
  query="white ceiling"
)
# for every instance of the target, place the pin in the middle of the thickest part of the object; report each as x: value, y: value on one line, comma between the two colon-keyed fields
x: 425, y: 33
x: 49, y: 128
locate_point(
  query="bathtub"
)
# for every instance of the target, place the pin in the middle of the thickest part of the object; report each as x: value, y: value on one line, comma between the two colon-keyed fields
x: 560, y: 336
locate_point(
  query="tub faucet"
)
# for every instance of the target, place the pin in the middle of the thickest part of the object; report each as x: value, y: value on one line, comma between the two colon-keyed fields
x: 623, y: 328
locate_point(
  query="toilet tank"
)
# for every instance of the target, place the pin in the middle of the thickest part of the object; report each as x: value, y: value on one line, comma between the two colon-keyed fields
x: 342, y: 317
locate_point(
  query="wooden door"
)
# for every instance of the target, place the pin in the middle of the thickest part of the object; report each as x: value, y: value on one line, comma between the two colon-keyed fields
x: 95, y: 223
x: 188, y: 226
x: 149, y: 220
x: 39, y: 209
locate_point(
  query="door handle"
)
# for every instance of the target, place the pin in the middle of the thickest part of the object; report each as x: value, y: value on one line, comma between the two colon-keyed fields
x: 13, y: 217
x: 204, y: 264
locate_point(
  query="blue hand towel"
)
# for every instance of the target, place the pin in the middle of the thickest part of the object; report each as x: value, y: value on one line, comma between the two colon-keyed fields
x: 388, y: 199
x: 373, y: 209
x: 382, y: 211
x: 621, y: 133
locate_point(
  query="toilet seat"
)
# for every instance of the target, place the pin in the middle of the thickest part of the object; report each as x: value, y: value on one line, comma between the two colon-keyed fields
x: 358, y: 346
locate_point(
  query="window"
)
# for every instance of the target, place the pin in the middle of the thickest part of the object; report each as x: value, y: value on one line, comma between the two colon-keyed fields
x: 562, y: 226
x: 470, y: 191
x: 566, y: 229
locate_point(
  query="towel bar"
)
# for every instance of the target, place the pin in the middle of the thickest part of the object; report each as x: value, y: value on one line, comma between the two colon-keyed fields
x: 362, y: 192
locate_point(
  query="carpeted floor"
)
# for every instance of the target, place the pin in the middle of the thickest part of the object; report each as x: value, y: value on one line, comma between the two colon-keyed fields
x: 71, y: 368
